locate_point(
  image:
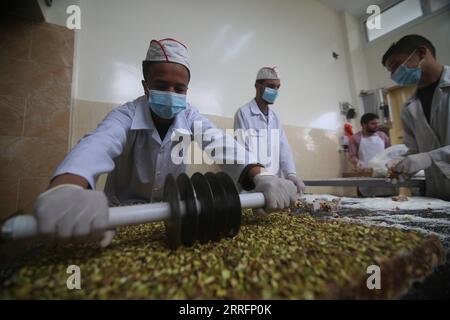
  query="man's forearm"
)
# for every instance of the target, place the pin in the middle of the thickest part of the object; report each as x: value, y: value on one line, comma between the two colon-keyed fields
x: 354, y: 160
x: 68, y: 178
x: 254, y: 171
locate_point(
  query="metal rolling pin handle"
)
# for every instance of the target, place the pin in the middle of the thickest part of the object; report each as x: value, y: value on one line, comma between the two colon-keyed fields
x: 25, y: 226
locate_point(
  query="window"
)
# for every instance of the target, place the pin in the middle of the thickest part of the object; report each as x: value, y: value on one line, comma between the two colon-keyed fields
x: 395, y: 17
x: 436, y: 5
x: 401, y: 13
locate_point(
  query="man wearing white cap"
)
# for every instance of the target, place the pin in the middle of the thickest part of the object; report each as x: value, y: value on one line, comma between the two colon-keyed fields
x: 133, y: 144
x: 258, y: 119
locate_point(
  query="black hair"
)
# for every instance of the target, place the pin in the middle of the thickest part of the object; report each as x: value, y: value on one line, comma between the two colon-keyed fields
x: 407, y: 45
x: 368, y: 117
x: 146, y: 69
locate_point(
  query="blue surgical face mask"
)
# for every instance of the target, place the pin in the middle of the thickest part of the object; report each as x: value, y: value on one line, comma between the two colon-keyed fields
x: 166, y: 104
x: 406, y: 76
x: 270, y: 95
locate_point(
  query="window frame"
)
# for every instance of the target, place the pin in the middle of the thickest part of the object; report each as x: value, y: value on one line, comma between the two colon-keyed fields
x: 426, y: 14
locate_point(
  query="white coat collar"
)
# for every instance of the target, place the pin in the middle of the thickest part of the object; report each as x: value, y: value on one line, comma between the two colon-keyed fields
x: 142, y: 119
x: 257, y: 111
x: 445, y: 78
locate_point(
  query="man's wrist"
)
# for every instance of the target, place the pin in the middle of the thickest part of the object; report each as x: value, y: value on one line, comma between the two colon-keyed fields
x: 292, y: 174
x: 68, y: 178
x: 247, y: 175
x: 424, y: 160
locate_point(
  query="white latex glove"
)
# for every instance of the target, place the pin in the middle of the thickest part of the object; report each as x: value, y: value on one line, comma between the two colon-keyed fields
x: 413, y: 163
x: 279, y: 193
x: 391, y: 165
x: 408, y: 166
x: 298, y: 183
x: 69, y: 211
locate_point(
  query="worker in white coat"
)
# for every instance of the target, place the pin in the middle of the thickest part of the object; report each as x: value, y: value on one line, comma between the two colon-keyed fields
x: 364, y: 146
x: 257, y: 119
x: 426, y: 116
x: 134, y: 144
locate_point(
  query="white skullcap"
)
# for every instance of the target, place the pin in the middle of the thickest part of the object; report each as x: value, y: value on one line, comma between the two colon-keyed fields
x: 268, y: 73
x: 168, y: 50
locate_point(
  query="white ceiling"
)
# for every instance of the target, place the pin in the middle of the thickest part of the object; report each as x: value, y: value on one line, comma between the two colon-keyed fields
x: 355, y: 7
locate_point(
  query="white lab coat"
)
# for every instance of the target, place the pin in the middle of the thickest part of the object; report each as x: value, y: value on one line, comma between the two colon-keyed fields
x: 127, y: 145
x: 250, y: 116
x: 434, y: 137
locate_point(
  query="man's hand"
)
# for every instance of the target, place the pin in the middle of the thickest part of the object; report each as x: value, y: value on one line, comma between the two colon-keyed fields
x: 69, y: 211
x: 279, y: 193
x: 298, y: 183
x: 408, y: 166
x: 361, y: 166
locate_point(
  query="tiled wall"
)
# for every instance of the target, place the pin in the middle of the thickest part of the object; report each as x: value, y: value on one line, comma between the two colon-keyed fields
x: 35, y: 99
x: 316, y: 151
